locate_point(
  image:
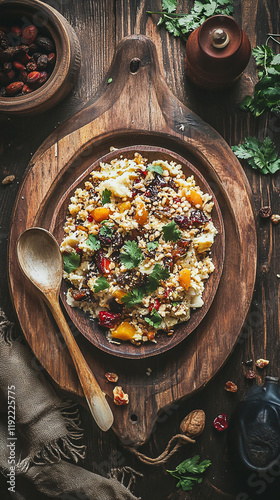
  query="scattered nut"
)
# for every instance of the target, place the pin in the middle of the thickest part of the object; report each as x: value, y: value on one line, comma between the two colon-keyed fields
x: 149, y: 371
x: 8, y: 179
x: 111, y: 377
x: 262, y: 363
x: 265, y: 212
x: 230, y: 386
x: 250, y: 374
x: 120, y: 398
x: 248, y: 362
x: 193, y: 424
x: 275, y: 218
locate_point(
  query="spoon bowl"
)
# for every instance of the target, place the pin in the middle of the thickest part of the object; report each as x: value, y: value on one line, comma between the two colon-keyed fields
x: 40, y: 260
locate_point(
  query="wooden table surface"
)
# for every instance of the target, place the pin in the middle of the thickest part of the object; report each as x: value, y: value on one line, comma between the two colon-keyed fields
x: 100, y: 25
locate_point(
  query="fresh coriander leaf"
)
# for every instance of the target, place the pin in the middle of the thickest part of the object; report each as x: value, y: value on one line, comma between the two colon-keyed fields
x: 107, y: 222
x: 171, y: 232
x: 158, y: 273
x: 70, y: 261
x: 260, y: 155
x: 134, y: 297
x: 93, y: 243
x: 155, y: 168
x: 109, y: 80
x: 131, y: 255
x: 191, y: 466
x: 154, y: 319
x: 106, y: 231
x: 169, y: 5
x: 100, y: 284
x: 106, y: 196
x: 152, y: 245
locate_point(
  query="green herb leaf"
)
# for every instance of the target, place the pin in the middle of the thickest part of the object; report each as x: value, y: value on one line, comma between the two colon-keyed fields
x: 261, y: 156
x: 131, y: 255
x: 155, y: 168
x: 171, y: 232
x: 191, y: 466
x: 106, y: 196
x: 100, y: 284
x: 169, y: 5
x: 70, y: 261
x: 152, y: 245
x: 109, y: 80
x: 93, y: 242
x: 154, y: 319
x: 106, y: 230
x: 133, y: 298
x: 137, y: 294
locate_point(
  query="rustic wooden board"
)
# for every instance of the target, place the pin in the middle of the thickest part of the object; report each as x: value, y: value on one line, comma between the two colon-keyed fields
x: 138, y: 108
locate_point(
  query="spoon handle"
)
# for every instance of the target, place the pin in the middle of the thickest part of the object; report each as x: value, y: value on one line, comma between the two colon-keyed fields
x: 97, y: 402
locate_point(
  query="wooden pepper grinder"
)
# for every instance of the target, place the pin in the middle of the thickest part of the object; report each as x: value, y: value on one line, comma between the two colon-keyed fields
x: 217, y: 53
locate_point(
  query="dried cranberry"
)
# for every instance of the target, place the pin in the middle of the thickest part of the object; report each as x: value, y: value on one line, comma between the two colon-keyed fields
x: 198, y: 217
x: 221, y: 422
x: 182, y: 221
x: 79, y: 295
x: 78, y: 250
x: 168, y: 263
x: 180, y: 249
x: 107, y: 319
x: 155, y: 305
x: 142, y: 173
x: 117, y: 240
x: 29, y: 34
x: 177, y: 200
x: 151, y: 192
x: 16, y: 30
x: 103, y: 264
x: 135, y: 192
x: 89, y: 218
x: 167, y: 291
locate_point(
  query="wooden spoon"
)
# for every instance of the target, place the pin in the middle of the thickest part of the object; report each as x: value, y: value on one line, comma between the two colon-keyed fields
x: 41, y: 261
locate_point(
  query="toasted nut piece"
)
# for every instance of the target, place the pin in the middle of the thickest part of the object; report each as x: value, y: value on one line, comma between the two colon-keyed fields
x: 262, y: 363
x: 230, y: 386
x: 8, y: 179
x: 120, y: 398
x: 265, y: 212
x: 193, y: 424
x: 275, y: 218
x: 250, y: 374
x: 111, y: 377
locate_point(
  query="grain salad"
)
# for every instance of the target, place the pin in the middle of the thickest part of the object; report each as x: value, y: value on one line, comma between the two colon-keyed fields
x: 136, y: 247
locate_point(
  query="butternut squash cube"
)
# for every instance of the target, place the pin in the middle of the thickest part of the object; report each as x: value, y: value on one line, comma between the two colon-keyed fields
x: 185, y: 278
x: 125, y: 331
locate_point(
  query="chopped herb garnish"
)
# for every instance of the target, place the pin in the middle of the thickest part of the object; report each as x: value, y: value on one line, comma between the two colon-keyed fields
x: 134, y: 297
x: 109, y: 80
x: 92, y: 242
x: 157, y: 274
x: 155, y: 168
x: 260, y: 155
x: 131, y: 255
x: 152, y: 245
x: 70, y: 261
x: 154, y: 319
x: 189, y: 466
x: 106, y: 196
x: 100, y: 284
x: 171, y: 232
x: 106, y: 231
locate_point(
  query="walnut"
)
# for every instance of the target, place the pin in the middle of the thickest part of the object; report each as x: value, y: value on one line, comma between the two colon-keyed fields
x: 275, y: 218
x: 262, y: 363
x: 193, y: 424
x: 8, y: 179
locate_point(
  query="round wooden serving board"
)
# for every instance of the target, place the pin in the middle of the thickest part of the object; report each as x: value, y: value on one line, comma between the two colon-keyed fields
x: 138, y: 108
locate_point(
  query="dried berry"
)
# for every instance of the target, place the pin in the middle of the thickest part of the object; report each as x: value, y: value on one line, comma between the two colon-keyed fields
x: 154, y: 305
x: 250, y: 374
x: 193, y: 424
x: 8, y: 54
x: 33, y: 77
x: 120, y: 398
x: 51, y: 58
x: 107, y: 319
x: 81, y: 295
x: 23, y: 76
x: 275, y: 218
x: 230, y: 386
x: 26, y: 89
x: 16, y: 30
x: 45, y: 43
x: 111, y: 377
x: 221, y: 422
x: 265, y: 212
x: 42, y: 61
x: 14, y: 88
x: 103, y: 264
x: 43, y: 77
x: 262, y: 363
x: 29, y: 34
x: 18, y: 66
x: 8, y: 179
x: 31, y: 66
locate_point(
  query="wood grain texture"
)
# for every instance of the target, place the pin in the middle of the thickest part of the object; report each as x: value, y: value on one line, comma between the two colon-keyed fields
x: 158, y: 118
x: 100, y: 26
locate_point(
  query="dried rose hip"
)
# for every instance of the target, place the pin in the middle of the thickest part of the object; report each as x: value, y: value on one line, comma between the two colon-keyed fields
x: 29, y: 34
x: 198, y: 217
x: 250, y: 374
x: 31, y: 66
x: 230, y: 386
x: 51, y: 58
x: 17, y: 65
x: 79, y: 295
x: 14, y: 88
x: 103, y: 264
x: 45, y: 43
x: 33, y: 77
x: 221, y: 422
x: 120, y: 398
x: 111, y: 377
x: 43, y: 77
x: 26, y: 89
x: 108, y: 319
x: 42, y: 61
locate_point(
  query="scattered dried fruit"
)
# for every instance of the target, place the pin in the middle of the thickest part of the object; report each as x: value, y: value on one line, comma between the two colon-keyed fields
x: 8, y: 179
x: 262, y: 363
x: 265, y: 212
x: 221, y: 422
x: 275, y: 218
x: 120, y: 398
x: 111, y: 377
x: 250, y: 374
x: 193, y: 424
x: 230, y: 386
x: 14, y: 88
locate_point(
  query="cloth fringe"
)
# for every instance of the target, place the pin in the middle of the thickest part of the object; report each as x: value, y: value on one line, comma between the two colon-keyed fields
x: 120, y: 475
x: 168, y: 452
x: 7, y: 329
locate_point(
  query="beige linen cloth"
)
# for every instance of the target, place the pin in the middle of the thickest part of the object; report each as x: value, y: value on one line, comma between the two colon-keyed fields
x: 48, y: 432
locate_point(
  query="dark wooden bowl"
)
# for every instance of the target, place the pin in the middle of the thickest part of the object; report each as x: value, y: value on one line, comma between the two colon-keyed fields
x: 89, y: 327
x: 68, y: 56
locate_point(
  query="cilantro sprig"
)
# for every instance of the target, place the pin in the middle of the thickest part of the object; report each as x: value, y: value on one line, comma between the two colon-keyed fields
x: 183, y: 24
x: 261, y: 156
x: 93, y: 242
x: 267, y: 90
x: 70, y: 261
x: 152, y: 245
x: 153, y: 281
x: 171, y: 232
x: 157, y: 169
x: 106, y: 196
x: 100, y: 284
x: 189, y: 466
x: 131, y: 255
x: 154, y: 319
